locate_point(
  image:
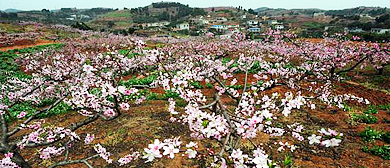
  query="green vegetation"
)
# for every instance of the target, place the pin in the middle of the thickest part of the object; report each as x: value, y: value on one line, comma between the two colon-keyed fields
x: 370, y: 134
x: 371, y: 110
x: 55, y: 17
x: 236, y: 87
x: 209, y: 85
x: 170, y: 94
x: 197, y: 85
x: 117, y: 14
x: 8, y: 65
x: 255, y: 68
x: 10, y: 69
x: 382, y: 151
x: 287, y: 161
x: 139, y: 81
x: 385, y: 107
x: 148, y: 15
x: 367, y: 116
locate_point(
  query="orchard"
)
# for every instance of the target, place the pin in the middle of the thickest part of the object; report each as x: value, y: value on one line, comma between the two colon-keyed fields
x: 224, y: 103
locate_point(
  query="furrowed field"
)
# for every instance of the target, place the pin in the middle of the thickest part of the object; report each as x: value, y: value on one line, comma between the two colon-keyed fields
x: 85, y: 99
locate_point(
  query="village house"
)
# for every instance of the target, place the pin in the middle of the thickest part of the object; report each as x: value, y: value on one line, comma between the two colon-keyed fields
x: 318, y: 14
x: 183, y: 26
x: 272, y: 22
x: 252, y: 22
x: 254, y: 29
x: 158, y: 24
x: 279, y: 27
x: 379, y: 30
x: 218, y: 27
x: 354, y: 29
x: 200, y: 21
x: 220, y: 20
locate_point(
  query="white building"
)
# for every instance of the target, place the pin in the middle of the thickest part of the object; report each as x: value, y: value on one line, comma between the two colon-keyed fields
x: 252, y: 22
x: 220, y: 19
x: 232, y: 26
x: 158, y: 24
x: 355, y: 30
x: 254, y: 29
x: 202, y: 21
x: 279, y: 27
x: 219, y: 27
x: 379, y: 30
x: 183, y: 26
x: 319, y: 14
x: 272, y: 22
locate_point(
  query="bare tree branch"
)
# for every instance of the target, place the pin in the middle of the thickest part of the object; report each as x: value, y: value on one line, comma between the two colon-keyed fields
x: 35, y: 115
x: 85, y: 161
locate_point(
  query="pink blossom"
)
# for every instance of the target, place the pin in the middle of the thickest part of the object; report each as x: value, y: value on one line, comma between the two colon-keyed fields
x: 109, y: 112
x: 128, y: 158
x: 103, y: 153
x: 21, y: 114
x: 153, y: 151
x: 89, y: 138
x: 171, y: 150
x: 124, y: 106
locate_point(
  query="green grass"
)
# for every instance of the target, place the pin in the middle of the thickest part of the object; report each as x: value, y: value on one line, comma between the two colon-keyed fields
x: 117, y: 14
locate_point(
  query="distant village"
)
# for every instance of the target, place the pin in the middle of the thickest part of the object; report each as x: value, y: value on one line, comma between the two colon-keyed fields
x: 219, y: 23
x: 222, y: 23
x: 166, y: 19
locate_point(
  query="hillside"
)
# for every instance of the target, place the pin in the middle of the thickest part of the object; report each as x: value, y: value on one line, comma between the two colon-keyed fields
x: 66, y: 16
x: 156, y: 12
x: 120, y: 19
x: 12, y: 10
x: 372, y: 11
x: 280, y: 11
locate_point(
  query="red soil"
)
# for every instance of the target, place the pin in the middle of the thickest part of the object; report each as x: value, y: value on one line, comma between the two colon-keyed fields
x: 26, y: 44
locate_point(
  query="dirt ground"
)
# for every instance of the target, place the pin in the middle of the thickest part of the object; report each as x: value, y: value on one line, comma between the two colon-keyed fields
x: 25, y: 45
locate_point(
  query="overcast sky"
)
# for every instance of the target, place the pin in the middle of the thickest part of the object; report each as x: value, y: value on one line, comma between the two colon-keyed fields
x: 289, y: 4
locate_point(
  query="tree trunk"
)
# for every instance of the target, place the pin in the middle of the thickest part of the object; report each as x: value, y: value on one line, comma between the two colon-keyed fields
x: 332, y: 73
x: 18, y: 159
x: 380, y: 71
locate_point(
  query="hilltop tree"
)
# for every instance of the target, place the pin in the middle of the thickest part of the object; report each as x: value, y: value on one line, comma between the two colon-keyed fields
x: 251, y: 11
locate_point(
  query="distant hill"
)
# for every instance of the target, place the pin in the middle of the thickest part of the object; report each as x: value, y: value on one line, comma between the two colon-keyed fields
x: 164, y: 11
x: 281, y: 11
x: 12, y: 10
x: 67, y: 16
x: 372, y: 11
x: 155, y: 12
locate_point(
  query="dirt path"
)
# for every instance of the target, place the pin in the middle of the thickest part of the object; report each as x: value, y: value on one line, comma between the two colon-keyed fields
x: 39, y: 42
